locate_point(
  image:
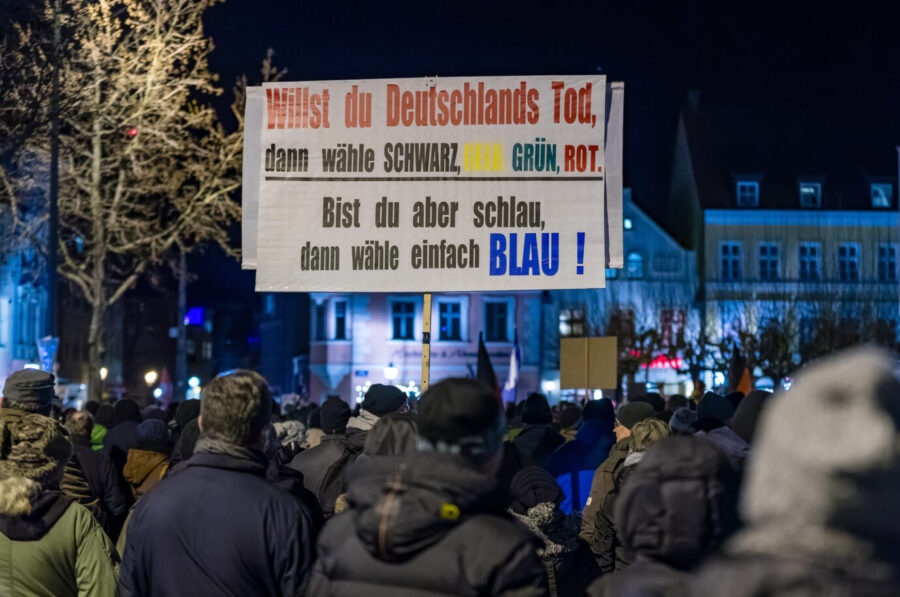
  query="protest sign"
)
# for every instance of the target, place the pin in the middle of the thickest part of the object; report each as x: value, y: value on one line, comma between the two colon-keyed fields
x: 490, y: 183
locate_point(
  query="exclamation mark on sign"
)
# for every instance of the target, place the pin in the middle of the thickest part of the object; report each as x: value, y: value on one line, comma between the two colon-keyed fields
x: 580, y: 269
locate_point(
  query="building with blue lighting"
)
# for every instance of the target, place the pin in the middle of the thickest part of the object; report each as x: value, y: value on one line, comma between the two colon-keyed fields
x: 794, y: 223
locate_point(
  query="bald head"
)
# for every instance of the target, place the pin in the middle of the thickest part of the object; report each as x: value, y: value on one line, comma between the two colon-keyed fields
x: 80, y: 424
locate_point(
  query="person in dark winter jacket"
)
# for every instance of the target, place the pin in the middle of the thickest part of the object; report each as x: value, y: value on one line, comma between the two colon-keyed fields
x: 819, y: 501
x: 380, y: 400
x: 606, y: 544
x: 569, y: 422
x: 148, y: 460
x: 573, y: 464
x: 714, y: 411
x: 678, y: 506
x: 604, y: 481
x: 104, y: 497
x: 682, y: 421
x: 123, y: 435
x: 534, y: 500
x: 215, y: 526
x: 747, y: 414
x: 538, y: 438
x: 432, y: 523
x: 103, y: 422
x: 49, y: 544
x: 323, y: 466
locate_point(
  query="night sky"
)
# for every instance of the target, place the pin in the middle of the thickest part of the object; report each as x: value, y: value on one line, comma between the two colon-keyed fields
x: 842, y: 57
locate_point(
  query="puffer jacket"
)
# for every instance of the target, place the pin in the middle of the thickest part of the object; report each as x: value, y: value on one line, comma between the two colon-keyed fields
x: 819, y: 499
x: 425, y: 525
x: 678, y: 505
x: 51, y: 546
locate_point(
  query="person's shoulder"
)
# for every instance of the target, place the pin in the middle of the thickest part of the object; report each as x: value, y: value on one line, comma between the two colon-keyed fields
x: 498, y: 529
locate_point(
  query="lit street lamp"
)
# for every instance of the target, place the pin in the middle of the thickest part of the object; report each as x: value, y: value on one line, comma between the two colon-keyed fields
x: 391, y: 372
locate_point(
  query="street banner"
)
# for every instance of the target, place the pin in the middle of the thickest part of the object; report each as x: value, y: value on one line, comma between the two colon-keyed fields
x: 481, y: 183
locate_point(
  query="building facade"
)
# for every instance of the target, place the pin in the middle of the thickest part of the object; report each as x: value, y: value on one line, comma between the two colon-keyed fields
x: 650, y: 305
x: 360, y: 339
x: 795, y: 228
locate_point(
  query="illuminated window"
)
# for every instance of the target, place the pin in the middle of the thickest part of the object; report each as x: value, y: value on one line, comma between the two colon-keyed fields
x: 402, y: 318
x: 730, y: 261
x: 634, y: 266
x: 882, y: 193
x: 848, y: 262
x: 571, y: 322
x: 768, y: 261
x: 887, y: 263
x: 747, y: 193
x: 810, y: 194
x: 321, y: 333
x: 810, y: 262
x: 497, y: 320
x: 340, y: 320
x: 671, y: 325
x: 450, y: 319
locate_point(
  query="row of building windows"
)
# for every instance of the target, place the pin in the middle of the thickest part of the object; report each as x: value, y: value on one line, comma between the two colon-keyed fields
x: 451, y: 320
x: 809, y: 261
x: 810, y: 194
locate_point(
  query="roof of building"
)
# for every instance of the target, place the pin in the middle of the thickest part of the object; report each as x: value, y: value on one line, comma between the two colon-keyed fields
x: 780, y: 147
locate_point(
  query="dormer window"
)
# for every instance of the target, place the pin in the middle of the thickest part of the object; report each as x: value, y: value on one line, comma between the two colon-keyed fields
x: 882, y: 193
x: 747, y: 193
x: 810, y: 194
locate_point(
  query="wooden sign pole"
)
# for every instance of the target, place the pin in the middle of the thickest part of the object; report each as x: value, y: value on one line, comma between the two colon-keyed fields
x: 426, y: 342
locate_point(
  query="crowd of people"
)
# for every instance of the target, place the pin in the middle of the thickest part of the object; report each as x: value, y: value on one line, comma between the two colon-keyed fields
x: 790, y: 494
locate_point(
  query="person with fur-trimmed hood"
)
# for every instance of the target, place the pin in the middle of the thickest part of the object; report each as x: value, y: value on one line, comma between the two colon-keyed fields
x: 49, y: 545
x: 819, y: 501
x: 434, y: 522
x: 535, y: 500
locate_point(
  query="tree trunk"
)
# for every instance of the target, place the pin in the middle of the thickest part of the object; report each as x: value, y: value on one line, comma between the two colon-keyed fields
x: 96, y: 349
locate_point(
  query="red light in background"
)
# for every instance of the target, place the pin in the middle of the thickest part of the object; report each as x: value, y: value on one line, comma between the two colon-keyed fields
x: 664, y: 362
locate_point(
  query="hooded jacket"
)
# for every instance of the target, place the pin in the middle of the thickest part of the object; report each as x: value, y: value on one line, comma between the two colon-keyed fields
x: 215, y: 526
x: 51, y: 546
x: 568, y: 563
x: 819, y: 500
x: 679, y: 504
x: 573, y: 464
x: 144, y: 469
x: 425, y: 525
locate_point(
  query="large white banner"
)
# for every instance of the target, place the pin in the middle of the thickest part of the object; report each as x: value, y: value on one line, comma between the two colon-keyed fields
x: 492, y: 183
